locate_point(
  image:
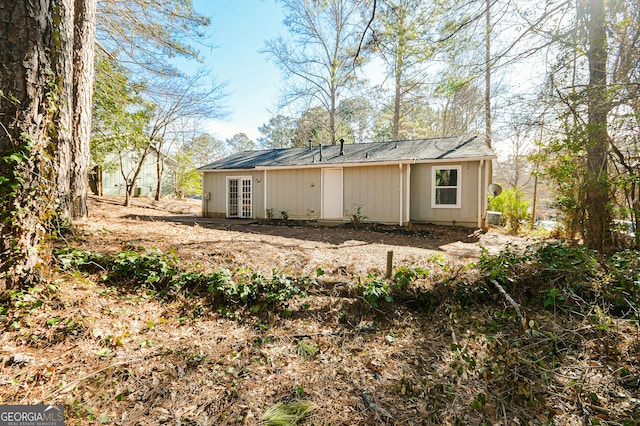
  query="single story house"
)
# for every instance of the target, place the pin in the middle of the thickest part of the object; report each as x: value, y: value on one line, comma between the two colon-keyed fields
x: 439, y: 180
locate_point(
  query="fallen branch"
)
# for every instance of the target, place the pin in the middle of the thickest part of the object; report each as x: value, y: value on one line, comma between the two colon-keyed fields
x: 511, y: 302
x: 369, y: 402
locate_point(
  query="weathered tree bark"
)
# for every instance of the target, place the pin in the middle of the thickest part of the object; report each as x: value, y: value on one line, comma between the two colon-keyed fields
x: 32, y: 71
x: 597, y: 183
x: 61, y: 148
x: 36, y: 131
x: 83, y: 71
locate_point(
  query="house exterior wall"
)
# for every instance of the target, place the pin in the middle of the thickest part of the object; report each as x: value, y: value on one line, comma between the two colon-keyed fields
x: 393, y: 193
x: 422, y: 187
x: 296, y: 191
x: 214, y: 188
x: 213, y: 195
x: 375, y: 189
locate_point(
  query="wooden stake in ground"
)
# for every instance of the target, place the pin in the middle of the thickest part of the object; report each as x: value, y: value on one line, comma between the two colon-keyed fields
x: 389, y: 264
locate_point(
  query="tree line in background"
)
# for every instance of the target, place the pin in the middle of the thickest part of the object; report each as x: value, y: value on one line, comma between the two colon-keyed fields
x: 404, y: 69
x: 137, y: 116
x: 562, y: 73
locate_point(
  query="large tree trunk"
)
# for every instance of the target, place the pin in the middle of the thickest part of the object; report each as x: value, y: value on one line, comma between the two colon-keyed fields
x: 62, y: 138
x: 597, y: 184
x: 84, y: 41
x: 39, y: 95
x: 33, y: 69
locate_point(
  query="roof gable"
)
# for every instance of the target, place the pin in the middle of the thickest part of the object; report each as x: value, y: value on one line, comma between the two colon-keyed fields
x: 419, y: 150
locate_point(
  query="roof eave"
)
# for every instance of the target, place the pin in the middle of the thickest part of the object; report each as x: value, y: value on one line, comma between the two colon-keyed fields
x: 360, y: 164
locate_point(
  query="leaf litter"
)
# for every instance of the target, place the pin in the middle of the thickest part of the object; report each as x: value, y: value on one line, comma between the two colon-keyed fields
x: 123, y: 355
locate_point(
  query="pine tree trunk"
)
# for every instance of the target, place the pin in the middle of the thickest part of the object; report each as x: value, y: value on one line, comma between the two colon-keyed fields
x: 397, y: 101
x: 62, y: 137
x: 84, y: 41
x: 332, y: 117
x: 597, y: 184
x: 33, y: 67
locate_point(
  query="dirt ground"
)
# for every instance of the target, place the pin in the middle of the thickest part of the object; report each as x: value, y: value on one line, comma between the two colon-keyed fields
x: 298, y: 247
x: 126, y: 356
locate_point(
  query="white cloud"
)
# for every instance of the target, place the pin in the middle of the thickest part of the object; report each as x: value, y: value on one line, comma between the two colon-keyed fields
x: 225, y: 130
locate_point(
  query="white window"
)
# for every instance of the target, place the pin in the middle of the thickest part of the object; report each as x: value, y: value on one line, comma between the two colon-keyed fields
x: 446, y: 187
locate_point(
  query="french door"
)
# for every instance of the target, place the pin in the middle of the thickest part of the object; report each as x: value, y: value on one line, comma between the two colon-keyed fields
x: 239, y: 197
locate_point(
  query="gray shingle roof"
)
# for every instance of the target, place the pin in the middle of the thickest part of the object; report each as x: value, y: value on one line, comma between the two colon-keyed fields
x: 454, y: 148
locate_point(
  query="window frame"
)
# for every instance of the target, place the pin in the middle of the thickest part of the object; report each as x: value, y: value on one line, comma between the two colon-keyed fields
x: 458, y: 187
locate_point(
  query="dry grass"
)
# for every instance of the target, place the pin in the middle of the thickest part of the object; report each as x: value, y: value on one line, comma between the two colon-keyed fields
x: 124, y: 356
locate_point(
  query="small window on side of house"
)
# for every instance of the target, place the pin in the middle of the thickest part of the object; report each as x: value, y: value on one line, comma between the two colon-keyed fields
x: 446, y: 186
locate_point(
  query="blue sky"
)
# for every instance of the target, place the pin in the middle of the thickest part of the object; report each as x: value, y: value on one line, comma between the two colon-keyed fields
x: 239, y: 30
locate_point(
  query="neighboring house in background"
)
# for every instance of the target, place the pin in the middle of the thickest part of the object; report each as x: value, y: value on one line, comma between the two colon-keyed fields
x: 440, y: 181
x: 107, y: 179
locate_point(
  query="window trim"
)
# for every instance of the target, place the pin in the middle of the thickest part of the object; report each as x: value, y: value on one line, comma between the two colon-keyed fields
x: 458, y: 187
